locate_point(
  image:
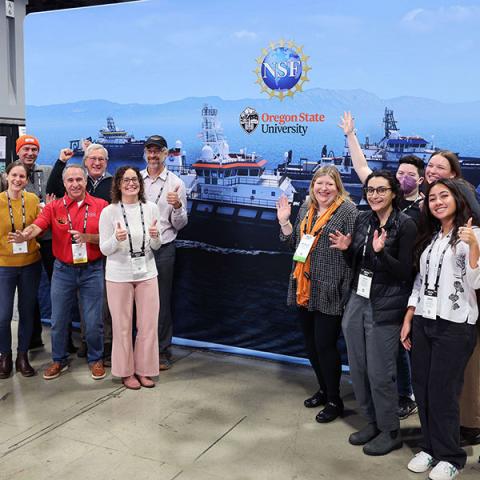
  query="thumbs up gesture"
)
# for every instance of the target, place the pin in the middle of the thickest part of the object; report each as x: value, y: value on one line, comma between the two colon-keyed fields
x: 174, y: 199
x: 466, y: 234
x: 153, y: 230
x: 120, y: 233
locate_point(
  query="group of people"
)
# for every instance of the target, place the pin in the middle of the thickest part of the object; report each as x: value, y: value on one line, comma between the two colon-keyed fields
x: 107, y: 245
x: 400, y: 279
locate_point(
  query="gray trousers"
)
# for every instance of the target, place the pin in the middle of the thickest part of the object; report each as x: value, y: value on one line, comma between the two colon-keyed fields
x: 372, y: 355
x: 165, y: 261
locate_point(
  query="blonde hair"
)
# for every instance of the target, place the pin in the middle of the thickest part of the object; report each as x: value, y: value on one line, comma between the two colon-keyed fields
x: 334, y: 174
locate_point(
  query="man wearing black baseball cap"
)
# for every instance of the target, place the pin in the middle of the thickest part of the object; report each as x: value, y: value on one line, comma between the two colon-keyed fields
x: 167, y: 190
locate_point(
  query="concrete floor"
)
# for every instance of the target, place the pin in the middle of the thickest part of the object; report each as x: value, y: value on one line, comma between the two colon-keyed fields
x: 212, y: 416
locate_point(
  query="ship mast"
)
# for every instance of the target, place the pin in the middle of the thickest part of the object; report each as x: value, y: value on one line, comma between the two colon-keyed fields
x: 212, y: 134
x: 389, y: 122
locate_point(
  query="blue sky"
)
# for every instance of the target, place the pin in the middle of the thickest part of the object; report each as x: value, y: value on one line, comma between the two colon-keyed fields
x: 162, y: 50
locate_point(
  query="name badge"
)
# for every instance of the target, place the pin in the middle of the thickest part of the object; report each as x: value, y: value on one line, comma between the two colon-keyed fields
x: 303, y: 249
x: 139, y: 264
x: 20, y: 247
x: 79, y: 253
x: 364, y: 283
x: 430, y: 304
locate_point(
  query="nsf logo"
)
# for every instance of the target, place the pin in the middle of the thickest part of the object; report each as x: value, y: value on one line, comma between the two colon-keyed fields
x: 282, y: 69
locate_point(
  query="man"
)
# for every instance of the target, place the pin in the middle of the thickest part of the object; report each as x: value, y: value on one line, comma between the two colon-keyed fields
x: 95, y: 160
x: 168, y: 191
x: 78, y: 268
x: 410, y: 174
x: 99, y: 184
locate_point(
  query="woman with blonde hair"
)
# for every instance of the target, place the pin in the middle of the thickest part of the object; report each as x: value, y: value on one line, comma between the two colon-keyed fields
x: 319, y: 280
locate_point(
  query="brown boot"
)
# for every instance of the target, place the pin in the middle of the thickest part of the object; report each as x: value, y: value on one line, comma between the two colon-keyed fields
x: 23, y: 366
x: 6, y: 365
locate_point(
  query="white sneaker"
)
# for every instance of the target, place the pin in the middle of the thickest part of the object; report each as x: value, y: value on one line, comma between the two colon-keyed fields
x: 421, y: 462
x: 444, y: 471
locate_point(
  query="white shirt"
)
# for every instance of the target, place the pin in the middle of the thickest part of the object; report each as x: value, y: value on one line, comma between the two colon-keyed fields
x: 171, y: 220
x: 456, y: 299
x: 119, y: 265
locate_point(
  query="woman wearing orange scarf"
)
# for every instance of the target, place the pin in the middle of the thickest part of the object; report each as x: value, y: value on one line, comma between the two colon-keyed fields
x: 320, y: 280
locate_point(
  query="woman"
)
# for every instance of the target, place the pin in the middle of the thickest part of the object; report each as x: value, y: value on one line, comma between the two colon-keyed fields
x: 319, y: 280
x: 380, y: 253
x: 128, y: 233
x: 443, y: 306
x: 20, y: 268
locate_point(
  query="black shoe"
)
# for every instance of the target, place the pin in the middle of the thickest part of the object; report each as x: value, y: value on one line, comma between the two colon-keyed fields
x: 6, y: 365
x: 330, y: 413
x: 383, y: 443
x: 23, y: 366
x: 364, y: 435
x: 316, y: 400
x: 469, y: 436
x: 406, y: 407
x: 82, y: 350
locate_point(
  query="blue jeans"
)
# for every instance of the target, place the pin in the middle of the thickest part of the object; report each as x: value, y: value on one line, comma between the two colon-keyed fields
x: 26, y: 280
x: 87, y: 282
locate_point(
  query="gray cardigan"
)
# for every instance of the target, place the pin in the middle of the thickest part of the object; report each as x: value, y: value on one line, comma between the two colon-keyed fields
x: 330, y: 275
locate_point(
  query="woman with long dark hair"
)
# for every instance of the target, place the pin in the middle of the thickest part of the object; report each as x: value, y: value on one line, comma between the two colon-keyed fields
x: 128, y: 233
x: 441, y: 317
x: 380, y: 254
x: 319, y: 280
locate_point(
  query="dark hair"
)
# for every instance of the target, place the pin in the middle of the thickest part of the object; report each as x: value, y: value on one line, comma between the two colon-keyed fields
x: 415, y: 161
x: 429, y: 225
x: 393, y: 182
x: 452, y: 160
x: 16, y: 163
x: 116, y: 191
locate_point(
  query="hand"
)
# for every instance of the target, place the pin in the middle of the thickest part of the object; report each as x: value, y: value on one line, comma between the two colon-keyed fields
x: 284, y: 209
x: 16, y: 237
x: 120, y: 233
x: 65, y: 155
x: 153, y: 230
x: 467, y: 235
x: 78, y: 236
x: 340, y: 241
x: 174, y: 199
x: 347, y: 123
x: 405, y: 334
x: 86, y: 143
x: 49, y: 197
x: 378, y: 242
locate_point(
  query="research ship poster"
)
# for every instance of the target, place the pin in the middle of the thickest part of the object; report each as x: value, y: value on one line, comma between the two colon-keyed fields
x: 248, y: 95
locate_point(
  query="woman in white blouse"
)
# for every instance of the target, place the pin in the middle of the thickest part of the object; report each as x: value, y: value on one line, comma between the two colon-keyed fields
x: 444, y: 310
x: 128, y: 233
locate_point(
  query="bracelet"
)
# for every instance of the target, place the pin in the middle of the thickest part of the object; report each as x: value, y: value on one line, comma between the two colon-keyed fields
x: 284, y: 224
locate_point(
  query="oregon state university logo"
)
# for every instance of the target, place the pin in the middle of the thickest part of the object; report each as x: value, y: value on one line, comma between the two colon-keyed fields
x: 249, y: 119
x: 282, y: 69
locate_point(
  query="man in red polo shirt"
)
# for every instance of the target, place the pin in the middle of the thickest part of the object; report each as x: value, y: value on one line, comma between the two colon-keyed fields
x: 78, y: 268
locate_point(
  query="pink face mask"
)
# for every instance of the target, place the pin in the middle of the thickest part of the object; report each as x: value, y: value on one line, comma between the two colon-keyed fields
x: 407, y: 184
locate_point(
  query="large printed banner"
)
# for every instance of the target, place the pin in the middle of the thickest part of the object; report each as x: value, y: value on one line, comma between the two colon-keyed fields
x: 248, y: 95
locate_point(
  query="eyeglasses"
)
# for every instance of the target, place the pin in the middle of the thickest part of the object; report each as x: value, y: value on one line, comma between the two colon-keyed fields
x: 133, y: 180
x: 381, y: 191
x: 97, y: 159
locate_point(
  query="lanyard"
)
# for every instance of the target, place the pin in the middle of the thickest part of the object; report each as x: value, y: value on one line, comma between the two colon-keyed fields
x: 161, y: 190
x: 10, y: 209
x: 364, y: 249
x: 312, y: 226
x: 70, y: 219
x: 95, y: 183
x: 415, y: 202
x: 132, y: 254
x: 440, y: 263
x: 39, y: 178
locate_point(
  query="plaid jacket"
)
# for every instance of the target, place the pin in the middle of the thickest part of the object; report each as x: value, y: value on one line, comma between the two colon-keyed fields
x: 330, y: 275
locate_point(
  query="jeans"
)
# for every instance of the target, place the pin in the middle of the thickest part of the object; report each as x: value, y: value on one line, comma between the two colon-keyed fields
x: 87, y: 281
x: 26, y: 279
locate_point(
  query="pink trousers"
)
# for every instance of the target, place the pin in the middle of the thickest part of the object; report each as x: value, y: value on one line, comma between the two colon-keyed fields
x: 144, y: 359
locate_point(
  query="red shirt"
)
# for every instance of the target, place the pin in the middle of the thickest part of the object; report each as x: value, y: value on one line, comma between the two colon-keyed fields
x: 54, y: 215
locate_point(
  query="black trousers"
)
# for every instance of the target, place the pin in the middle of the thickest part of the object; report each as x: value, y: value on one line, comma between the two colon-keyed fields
x: 440, y: 352
x: 320, y: 332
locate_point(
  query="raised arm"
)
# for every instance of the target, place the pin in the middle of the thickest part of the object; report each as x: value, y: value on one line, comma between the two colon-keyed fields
x: 358, y: 158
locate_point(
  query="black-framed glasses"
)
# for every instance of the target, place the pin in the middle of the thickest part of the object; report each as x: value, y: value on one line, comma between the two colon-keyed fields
x: 381, y: 191
x: 133, y: 180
